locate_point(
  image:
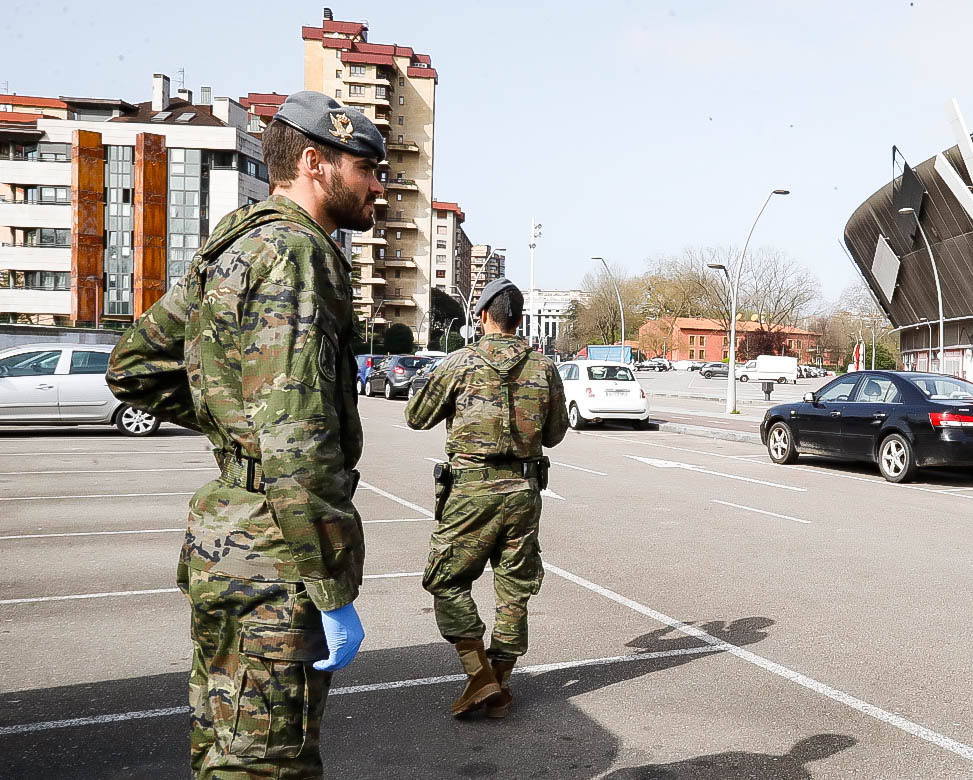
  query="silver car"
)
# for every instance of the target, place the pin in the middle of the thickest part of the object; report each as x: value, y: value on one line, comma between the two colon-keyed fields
x: 64, y: 384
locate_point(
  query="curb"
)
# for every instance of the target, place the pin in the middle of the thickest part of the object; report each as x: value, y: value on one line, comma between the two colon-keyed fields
x: 710, y: 433
x: 714, y: 398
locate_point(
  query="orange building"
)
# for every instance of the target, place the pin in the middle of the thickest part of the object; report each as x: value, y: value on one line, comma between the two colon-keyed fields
x: 697, y: 338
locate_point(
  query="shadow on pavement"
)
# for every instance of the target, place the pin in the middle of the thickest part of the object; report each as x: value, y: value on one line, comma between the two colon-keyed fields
x: 88, y: 432
x: 403, y: 732
x: 934, y: 477
x: 740, y: 765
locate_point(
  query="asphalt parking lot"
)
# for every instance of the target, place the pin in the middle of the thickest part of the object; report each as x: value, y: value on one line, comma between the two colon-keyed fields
x: 705, y: 614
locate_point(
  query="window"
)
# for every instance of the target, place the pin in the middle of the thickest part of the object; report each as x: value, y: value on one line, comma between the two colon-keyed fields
x: 397, y: 274
x: 401, y: 82
x: 398, y: 156
x: 442, y: 230
x: 356, y: 90
x: 162, y: 116
x: 337, y: 93
x: 692, y: 340
x: 940, y: 388
x: 47, y: 280
x: 89, y: 362
x: 398, y: 196
x: 878, y: 390
x: 185, y: 118
x: 441, y: 259
x: 398, y: 234
x: 398, y: 253
x: 440, y: 274
x: 440, y: 243
x: 839, y: 390
x: 357, y: 70
x: 442, y: 214
x: 30, y: 363
x: 337, y: 74
x: 726, y: 354
x: 610, y: 373
x: 702, y: 341
x: 400, y: 120
x: 692, y: 352
x: 401, y: 100
x: 381, y: 93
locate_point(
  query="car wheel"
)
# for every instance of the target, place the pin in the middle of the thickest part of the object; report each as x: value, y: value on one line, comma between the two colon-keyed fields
x: 368, y: 389
x: 388, y: 391
x: 133, y: 422
x: 575, y: 420
x: 707, y: 375
x: 744, y: 378
x: 896, y: 458
x: 780, y: 444
x: 359, y: 386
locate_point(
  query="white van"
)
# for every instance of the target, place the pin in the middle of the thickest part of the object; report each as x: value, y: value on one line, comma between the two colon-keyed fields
x: 769, y: 368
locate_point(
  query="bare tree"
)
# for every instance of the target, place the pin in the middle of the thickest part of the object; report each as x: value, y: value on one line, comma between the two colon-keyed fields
x: 777, y: 289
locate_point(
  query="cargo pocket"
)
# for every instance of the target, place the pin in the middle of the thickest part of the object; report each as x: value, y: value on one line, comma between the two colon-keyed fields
x: 277, y: 692
x: 437, y: 573
x: 537, y: 568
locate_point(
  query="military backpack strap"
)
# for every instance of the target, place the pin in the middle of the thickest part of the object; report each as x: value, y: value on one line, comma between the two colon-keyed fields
x: 506, y: 389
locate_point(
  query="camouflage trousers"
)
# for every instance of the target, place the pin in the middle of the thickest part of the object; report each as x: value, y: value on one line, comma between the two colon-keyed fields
x: 256, y: 700
x: 477, y: 525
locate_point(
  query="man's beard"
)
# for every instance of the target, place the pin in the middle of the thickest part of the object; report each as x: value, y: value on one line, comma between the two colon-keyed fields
x: 345, y: 209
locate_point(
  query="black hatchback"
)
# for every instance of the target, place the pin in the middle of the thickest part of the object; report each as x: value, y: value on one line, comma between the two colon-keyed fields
x: 391, y: 375
x: 901, y: 420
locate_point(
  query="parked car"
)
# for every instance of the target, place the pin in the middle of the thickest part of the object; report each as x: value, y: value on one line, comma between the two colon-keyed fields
x: 598, y: 390
x: 421, y: 377
x: 392, y: 374
x: 900, y: 420
x: 654, y: 364
x: 365, y: 365
x: 710, y: 370
x: 64, y: 384
x: 769, y: 368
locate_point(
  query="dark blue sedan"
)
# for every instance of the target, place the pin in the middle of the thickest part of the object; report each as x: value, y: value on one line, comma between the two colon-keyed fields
x: 901, y: 420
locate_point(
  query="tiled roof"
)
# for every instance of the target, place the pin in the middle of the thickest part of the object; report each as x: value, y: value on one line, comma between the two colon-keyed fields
x: 369, y: 59
x: 344, y: 28
x: 443, y: 205
x: 266, y: 98
x: 203, y: 115
x: 35, y: 102
x: 19, y: 118
x: 742, y: 326
x: 423, y: 73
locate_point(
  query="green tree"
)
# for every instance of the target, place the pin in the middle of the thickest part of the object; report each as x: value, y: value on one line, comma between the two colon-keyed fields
x: 399, y: 339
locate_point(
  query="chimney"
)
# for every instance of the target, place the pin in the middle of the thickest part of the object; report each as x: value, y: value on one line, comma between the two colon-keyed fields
x: 205, y: 96
x: 328, y: 16
x: 186, y: 94
x: 160, y: 92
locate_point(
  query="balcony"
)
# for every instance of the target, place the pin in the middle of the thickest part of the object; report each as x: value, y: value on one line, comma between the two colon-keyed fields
x: 399, y: 262
x: 373, y: 240
x: 35, y: 301
x: 21, y: 257
x: 373, y: 280
x: 382, y: 120
x: 401, y: 184
x: 35, y: 215
x: 396, y: 223
x: 405, y: 146
x: 399, y: 301
x: 49, y: 172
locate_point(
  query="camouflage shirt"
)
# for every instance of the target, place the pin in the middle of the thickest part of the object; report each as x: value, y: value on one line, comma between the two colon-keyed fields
x: 466, y: 390
x: 254, y: 348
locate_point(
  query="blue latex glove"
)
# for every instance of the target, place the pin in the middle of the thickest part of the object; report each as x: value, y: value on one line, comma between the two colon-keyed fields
x: 344, y: 634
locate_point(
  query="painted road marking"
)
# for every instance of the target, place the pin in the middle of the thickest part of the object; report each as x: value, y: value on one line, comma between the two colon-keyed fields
x: 579, y: 468
x: 97, y: 720
x: 960, y: 749
x: 396, y: 499
x: 152, y: 591
x: 670, y: 446
x: 93, y: 533
x: 109, y: 471
x: 548, y: 493
x: 95, y: 495
x: 403, y: 427
x: 672, y: 464
x: 759, y: 511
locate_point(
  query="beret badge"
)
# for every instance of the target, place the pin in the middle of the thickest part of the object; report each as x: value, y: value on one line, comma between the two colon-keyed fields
x: 343, y: 129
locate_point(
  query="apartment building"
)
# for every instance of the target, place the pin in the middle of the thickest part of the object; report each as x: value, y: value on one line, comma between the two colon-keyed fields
x: 550, y: 307
x: 451, y: 264
x: 396, y: 88
x: 103, y: 203
x: 486, y: 264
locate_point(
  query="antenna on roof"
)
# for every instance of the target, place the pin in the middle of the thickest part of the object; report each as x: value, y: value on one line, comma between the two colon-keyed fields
x: 6, y: 87
x: 181, y: 75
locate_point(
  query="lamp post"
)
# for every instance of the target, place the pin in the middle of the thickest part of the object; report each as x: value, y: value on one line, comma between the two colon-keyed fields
x: 469, y: 299
x: 449, y: 327
x: 535, y: 233
x: 378, y: 308
x: 419, y: 329
x: 731, y: 388
x: 939, y: 290
x: 621, y: 310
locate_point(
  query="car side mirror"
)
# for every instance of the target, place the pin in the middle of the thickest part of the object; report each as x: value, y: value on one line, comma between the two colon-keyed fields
x: 809, y: 397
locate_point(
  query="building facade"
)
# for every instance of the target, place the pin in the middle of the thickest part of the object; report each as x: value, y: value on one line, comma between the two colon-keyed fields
x: 396, y: 88
x: 451, y: 252
x: 486, y: 264
x: 549, y: 310
x: 103, y: 206
x: 697, y: 338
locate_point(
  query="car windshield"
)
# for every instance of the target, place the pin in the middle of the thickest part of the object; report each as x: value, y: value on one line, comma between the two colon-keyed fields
x: 414, y: 362
x: 618, y: 373
x: 943, y: 388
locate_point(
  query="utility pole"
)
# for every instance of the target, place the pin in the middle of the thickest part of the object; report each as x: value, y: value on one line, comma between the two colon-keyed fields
x: 535, y: 233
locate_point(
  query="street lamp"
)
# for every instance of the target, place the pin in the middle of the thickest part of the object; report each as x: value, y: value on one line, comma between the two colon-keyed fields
x: 535, y: 233
x: 378, y: 308
x: 469, y: 299
x: 731, y: 388
x: 621, y: 311
x: 939, y: 290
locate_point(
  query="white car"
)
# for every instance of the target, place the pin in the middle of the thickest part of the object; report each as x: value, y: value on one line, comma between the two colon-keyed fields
x: 597, y: 390
x: 64, y: 384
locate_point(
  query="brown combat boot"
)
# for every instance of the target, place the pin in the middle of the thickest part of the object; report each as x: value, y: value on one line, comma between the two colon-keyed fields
x: 502, y: 667
x: 481, y: 685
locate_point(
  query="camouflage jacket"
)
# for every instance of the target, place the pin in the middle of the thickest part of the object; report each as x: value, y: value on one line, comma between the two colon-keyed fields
x: 253, y: 347
x: 466, y: 391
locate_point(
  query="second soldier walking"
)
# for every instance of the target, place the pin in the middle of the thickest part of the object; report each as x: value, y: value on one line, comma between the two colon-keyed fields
x: 502, y: 403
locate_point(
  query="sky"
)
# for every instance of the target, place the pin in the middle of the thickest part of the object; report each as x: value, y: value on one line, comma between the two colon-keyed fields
x: 629, y: 130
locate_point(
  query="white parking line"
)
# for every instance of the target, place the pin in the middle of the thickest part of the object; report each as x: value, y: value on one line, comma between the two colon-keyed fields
x: 960, y: 749
x: 672, y: 464
x: 152, y: 591
x: 94, y: 495
x: 93, y: 533
x: 579, y: 468
x: 759, y: 511
x: 396, y: 499
x: 403, y: 427
x: 116, y: 717
x: 109, y: 471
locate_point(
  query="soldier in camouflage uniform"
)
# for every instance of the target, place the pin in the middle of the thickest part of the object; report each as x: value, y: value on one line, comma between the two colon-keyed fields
x: 502, y: 402
x: 254, y: 348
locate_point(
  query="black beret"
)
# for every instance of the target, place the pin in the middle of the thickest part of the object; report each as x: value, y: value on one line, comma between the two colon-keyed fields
x: 325, y: 120
x: 491, y: 291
